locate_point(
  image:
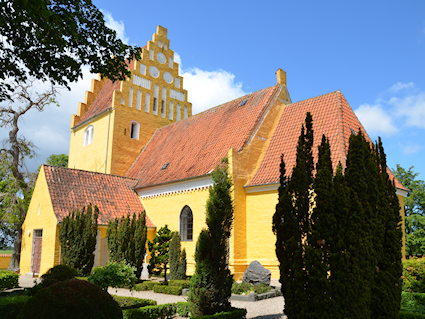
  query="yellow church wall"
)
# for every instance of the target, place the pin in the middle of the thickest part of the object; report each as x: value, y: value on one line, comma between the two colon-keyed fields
x: 403, y: 225
x: 166, y: 209
x: 261, y: 240
x: 92, y: 156
x: 40, y: 215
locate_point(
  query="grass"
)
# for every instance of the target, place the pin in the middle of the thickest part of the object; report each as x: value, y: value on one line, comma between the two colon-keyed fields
x: 6, y: 252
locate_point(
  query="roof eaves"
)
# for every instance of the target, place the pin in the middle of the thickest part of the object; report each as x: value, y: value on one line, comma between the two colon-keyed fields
x: 109, y: 109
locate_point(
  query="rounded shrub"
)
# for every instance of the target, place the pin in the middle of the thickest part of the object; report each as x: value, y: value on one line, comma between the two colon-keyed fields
x: 53, y: 275
x: 71, y: 299
x: 414, y: 275
x: 114, y: 274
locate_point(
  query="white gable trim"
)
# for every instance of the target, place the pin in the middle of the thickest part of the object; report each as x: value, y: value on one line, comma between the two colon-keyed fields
x: 401, y: 192
x: 188, y: 185
x: 261, y: 188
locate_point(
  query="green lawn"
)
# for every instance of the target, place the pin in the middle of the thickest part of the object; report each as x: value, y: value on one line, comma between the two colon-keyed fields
x: 6, y: 252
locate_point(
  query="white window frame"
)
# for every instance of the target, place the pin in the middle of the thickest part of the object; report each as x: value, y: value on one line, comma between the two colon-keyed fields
x: 88, y: 135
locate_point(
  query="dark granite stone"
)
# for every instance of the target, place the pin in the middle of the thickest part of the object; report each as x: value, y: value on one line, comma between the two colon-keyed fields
x: 257, y: 274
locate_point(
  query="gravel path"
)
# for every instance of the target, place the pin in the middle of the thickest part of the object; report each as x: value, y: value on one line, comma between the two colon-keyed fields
x: 263, y: 309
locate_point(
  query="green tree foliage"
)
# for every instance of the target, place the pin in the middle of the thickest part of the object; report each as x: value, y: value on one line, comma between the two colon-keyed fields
x: 159, y: 249
x: 414, y: 205
x: 15, y: 150
x: 127, y: 240
x: 177, y: 258
x: 77, y: 237
x: 52, y: 40
x: 211, y: 285
x: 181, y: 271
x: 344, y: 259
x: 291, y: 223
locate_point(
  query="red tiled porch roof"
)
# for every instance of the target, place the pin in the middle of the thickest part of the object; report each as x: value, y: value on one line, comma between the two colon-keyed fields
x: 73, y: 189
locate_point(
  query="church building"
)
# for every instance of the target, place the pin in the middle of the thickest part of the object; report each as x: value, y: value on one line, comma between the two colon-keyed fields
x: 135, y: 145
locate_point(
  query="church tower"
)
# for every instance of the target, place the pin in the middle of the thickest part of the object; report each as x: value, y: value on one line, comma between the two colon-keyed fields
x: 117, y: 119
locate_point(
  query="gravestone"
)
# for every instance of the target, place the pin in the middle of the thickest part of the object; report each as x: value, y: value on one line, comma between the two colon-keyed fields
x: 256, y: 274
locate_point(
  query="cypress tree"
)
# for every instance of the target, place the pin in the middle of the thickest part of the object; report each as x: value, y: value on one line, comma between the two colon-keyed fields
x: 181, y: 271
x: 77, y: 237
x: 386, y: 292
x: 159, y: 249
x: 291, y: 224
x: 210, y: 287
x: 319, y: 239
x: 174, y: 255
x: 127, y: 240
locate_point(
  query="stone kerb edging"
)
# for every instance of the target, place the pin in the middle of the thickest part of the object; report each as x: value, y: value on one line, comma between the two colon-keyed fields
x: 251, y: 297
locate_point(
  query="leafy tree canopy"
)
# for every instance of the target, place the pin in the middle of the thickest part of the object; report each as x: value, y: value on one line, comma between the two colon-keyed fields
x: 58, y: 160
x: 414, y: 205
x: 53, y: 39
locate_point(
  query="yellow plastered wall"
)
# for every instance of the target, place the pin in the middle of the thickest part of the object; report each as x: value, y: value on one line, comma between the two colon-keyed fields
x: 166, y: 210
x: 261, y: 240
x: 92, y: 157
x: 40, y: 215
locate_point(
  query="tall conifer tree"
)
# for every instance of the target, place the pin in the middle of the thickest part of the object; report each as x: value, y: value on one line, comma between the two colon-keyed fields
x: 210, y: 287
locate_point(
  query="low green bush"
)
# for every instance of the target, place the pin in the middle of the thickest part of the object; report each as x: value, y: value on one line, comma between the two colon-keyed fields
x: 179, y: 283
x: 132, y: 302
x: 413, y: 302
x: 151, y: 312
x: 71, y: 299
x: 146, y: 285
x: 414, y: 275
x: 411, y: 315
x: 183, y: 309
x: 10, y: 306
x: 171, y: 290
x: 246, y: 288
x: 8, y: 279
x: 114, y: 274
x: 235, y: 313
x: 53, y: 275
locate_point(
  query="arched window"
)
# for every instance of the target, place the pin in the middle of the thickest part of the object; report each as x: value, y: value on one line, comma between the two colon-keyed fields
x: 178, y: 112
x: 186, y: 224
x: 170, y: 111
x: 185, y: 112
x: 88, y: 135
x: 134, y: 130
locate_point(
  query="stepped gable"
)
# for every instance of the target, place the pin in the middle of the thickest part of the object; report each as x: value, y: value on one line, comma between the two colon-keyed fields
x: 194, y: 146
x: 102, y: 102
x: 332, y: 116
x: 73, y: 189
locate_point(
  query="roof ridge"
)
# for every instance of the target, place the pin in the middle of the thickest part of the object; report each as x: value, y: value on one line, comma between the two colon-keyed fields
x: 86, y: 171
x: 315, y: 97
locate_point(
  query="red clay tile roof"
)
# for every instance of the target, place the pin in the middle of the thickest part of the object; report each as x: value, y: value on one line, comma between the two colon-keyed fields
x: 194, y: 146
x: 73, y: 189
x: 102, y: 102
x: 332, y: 116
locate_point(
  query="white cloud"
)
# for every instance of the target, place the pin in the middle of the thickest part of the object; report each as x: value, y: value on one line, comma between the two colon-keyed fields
x: 376, y: 120
x: 401, y: 86
x: 411, y: 108
x: 411, y: 149
x: 207, y: 89
x: 117, y: 26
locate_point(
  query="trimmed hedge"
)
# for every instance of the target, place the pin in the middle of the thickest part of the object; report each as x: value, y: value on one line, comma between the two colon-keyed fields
x: 236, y: 313
x: 411, y: 315
x: 413, y: 302
x: 170, y: 290
x: 183, y: 309
x: 132, y: 302
x: 10, y: 306
x: 8, y: 279
x: 179, y: 283
x: 414, y: 275
x: 146, y: 285
x: 151, y: 312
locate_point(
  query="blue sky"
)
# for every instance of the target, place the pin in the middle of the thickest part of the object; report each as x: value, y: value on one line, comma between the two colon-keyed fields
x: 373, y: 51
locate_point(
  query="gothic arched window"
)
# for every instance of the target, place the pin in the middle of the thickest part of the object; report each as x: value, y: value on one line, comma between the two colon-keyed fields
x: 186, y: 224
